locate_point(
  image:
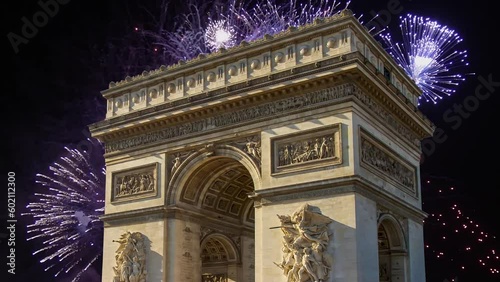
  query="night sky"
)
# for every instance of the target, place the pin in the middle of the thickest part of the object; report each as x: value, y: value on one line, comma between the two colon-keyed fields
x: 55, y: 78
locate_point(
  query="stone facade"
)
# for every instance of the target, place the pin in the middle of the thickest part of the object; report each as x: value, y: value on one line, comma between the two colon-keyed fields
x: 292, y: 158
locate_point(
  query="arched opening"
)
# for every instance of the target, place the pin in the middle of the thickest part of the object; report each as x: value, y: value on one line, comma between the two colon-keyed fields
x: 213, y: 188
x: 220, y: 259
x: 392, y: 251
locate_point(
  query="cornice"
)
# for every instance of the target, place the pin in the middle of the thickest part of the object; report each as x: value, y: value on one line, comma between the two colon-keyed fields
x: 177, y: 212
x: 345, y: 185
x: 201, y: 106
x: 243, y: 87
x: 394, y: 100
x: 379, y: 51
x: 338, y: 186
x: 342, y: 20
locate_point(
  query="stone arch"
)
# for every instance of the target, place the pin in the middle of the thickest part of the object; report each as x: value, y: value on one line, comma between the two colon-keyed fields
x: 392, y: 250
x: 210, y: 188
x: 200, y: 159
x: 226, y: 251
x: 220, y: 258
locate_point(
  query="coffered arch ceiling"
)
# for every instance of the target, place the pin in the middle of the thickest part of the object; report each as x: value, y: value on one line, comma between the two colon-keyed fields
x: 221, y: 186
x: 218, y: 249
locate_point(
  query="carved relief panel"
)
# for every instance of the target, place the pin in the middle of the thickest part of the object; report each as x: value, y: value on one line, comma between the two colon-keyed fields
x: 307, y: 149
x: 382, y: 161
x: 136, y: 183
x: 251, y: 145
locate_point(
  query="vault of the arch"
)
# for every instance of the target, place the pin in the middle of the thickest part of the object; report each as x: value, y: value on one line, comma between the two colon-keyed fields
x: 221, y: 186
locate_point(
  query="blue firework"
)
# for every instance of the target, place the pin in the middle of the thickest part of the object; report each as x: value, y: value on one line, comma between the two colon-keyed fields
x: 205, y: 29
x: 66, y: 224
x: 430, y: 54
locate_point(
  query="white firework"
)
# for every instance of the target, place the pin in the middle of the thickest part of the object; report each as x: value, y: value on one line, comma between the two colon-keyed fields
x: 207, y: 28
x: 66, y: 214
x: 429, y: 54
x: 220, y: 34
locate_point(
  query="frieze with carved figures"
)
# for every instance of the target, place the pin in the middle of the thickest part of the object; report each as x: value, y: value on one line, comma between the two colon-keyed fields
x: 307, y: 149
x: 379, y: 159
x: 135, y: 183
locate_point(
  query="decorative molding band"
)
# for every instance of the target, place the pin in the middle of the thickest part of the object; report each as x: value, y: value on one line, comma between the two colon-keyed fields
x: 134, y: 216
x: 339, y: 186
x: 241, y: 87
x: 273, y: 109
x: 382, y: 161
x: 387, y: 118
x: 287, y: 37
x: 307, y: 149
x: 321, y: 192
x: 269, y: 110
x: 136, y: 183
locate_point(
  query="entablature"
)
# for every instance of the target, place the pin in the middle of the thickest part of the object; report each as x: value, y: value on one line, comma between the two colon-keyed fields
x: 310, y: 44
x: 213, y: 114
x: 361, y: 66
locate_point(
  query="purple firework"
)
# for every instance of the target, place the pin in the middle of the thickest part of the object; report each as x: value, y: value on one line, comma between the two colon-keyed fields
x: 66, y: 213
x: 207, y: 28
x: 429, y: 54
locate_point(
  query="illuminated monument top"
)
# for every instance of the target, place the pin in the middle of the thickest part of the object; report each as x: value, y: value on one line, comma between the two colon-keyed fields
x: 339, y: 44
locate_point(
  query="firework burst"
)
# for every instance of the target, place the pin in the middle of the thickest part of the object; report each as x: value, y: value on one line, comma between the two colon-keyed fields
x: 66, y: 213
x: 205, y: 29
x: 311, y: 10
x: 219, y: 34
x: 268, y: 17
x: 429, y: 54
x: 184, y: 41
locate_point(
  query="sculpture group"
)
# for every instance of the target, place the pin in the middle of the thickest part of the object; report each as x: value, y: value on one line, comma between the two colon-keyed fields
x: 305, y: 241
x: 306, y: 150
x: 134, y: 184
x: 130, y: 258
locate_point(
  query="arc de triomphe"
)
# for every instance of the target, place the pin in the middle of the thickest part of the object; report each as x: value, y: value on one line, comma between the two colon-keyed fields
x: 291, y: 158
